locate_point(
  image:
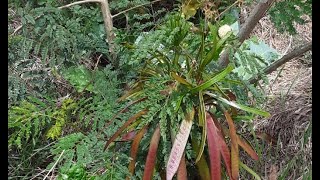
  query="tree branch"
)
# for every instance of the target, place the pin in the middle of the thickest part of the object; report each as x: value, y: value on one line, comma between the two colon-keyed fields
x: 134, y: 8
x: 295, y: 53
x: 254, y: 17
x: 79, y: 2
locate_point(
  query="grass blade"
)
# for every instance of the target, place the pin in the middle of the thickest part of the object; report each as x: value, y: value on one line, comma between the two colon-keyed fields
x: 254, y: 174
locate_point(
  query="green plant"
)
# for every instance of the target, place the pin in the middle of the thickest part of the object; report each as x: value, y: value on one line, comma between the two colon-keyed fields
x: 285, y: 13
x: 177, y: 89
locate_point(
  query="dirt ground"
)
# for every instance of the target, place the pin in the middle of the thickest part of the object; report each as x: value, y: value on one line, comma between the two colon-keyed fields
x: 290, y: 104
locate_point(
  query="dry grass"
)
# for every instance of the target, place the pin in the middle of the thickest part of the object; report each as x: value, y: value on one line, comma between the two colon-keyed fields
x: 290, y: 103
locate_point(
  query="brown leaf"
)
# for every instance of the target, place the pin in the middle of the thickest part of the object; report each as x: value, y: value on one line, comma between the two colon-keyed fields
x: 132, y: 119
x: 152, y: 155
x: 134, y: 149
x: 234, y: 147
x: 273, y: 173
x: 247, y: 147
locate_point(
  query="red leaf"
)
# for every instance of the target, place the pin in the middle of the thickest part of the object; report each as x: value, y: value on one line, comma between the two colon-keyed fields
x: 134, y: 149
x: 179, y: 145
x: 182, y: 170
x: 234, y: 147
x: 214, y: 149
x: 128, y: 136
x: 132, y: 119
x: 246, y: 146
x: 152, y: 155
x: 224, y: 149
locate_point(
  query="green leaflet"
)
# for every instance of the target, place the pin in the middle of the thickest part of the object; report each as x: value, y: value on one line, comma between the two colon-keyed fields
x: 213, y: 80
x: 240, y: 106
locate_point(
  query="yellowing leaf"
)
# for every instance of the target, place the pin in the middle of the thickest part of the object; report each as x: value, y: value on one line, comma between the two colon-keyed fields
x: 234, y: 147
x: 180, y: 79
x: 190, y: 7
x: 179, y: 145
x: 245, y: 146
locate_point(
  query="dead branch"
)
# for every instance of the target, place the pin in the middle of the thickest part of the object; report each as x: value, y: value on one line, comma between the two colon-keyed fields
x: 79, y: 2
x: 294, y: 53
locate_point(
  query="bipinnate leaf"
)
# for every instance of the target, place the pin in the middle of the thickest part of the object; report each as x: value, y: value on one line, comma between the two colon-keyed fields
x: 246, y: 146
x: 214, y: 149
x: 234, y: 147
x: 134, y: 149
x: 179, y: 145
x: 152, y: 155
x: 123, y: 127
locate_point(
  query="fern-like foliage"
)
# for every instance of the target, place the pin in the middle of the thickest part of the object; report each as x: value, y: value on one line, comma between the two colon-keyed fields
x: 285, y: 13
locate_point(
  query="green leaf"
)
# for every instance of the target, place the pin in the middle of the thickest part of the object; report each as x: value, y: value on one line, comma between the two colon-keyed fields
x: 254, y: 174
x: 213, y: 80
x: 240, y: 106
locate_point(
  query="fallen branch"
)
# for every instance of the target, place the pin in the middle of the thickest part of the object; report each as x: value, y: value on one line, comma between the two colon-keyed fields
x: 295, y: 53
x: 54, y: 165
x: 254, y: 17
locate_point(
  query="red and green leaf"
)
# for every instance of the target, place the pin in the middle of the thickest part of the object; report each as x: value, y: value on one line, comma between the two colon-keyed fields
x: 246, y: 146
x: 234, y: 147
x: 152, y: 155
x: 224, y: 149
x: 134, y: 149
x: 123, y: 127
x: 214, y: 149
x: 179, y: 145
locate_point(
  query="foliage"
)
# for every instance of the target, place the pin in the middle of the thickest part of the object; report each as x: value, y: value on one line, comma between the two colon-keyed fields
x: 168, y: 90
x: 285, y: 13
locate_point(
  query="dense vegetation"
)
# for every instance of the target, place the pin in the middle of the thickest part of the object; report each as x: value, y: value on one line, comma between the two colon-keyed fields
x: 156, y: 104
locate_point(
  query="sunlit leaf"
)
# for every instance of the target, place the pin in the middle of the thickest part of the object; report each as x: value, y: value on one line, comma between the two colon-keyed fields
x: 126, y: 124
x: 152, y: 155
x: 179, y: 145
x: 240, y: 106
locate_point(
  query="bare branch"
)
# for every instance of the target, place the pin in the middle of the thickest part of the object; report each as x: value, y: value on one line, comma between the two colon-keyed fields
x: 295, y: 53
x: 134, y: 8
x: 79, y: 2
x: 254, y: 17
